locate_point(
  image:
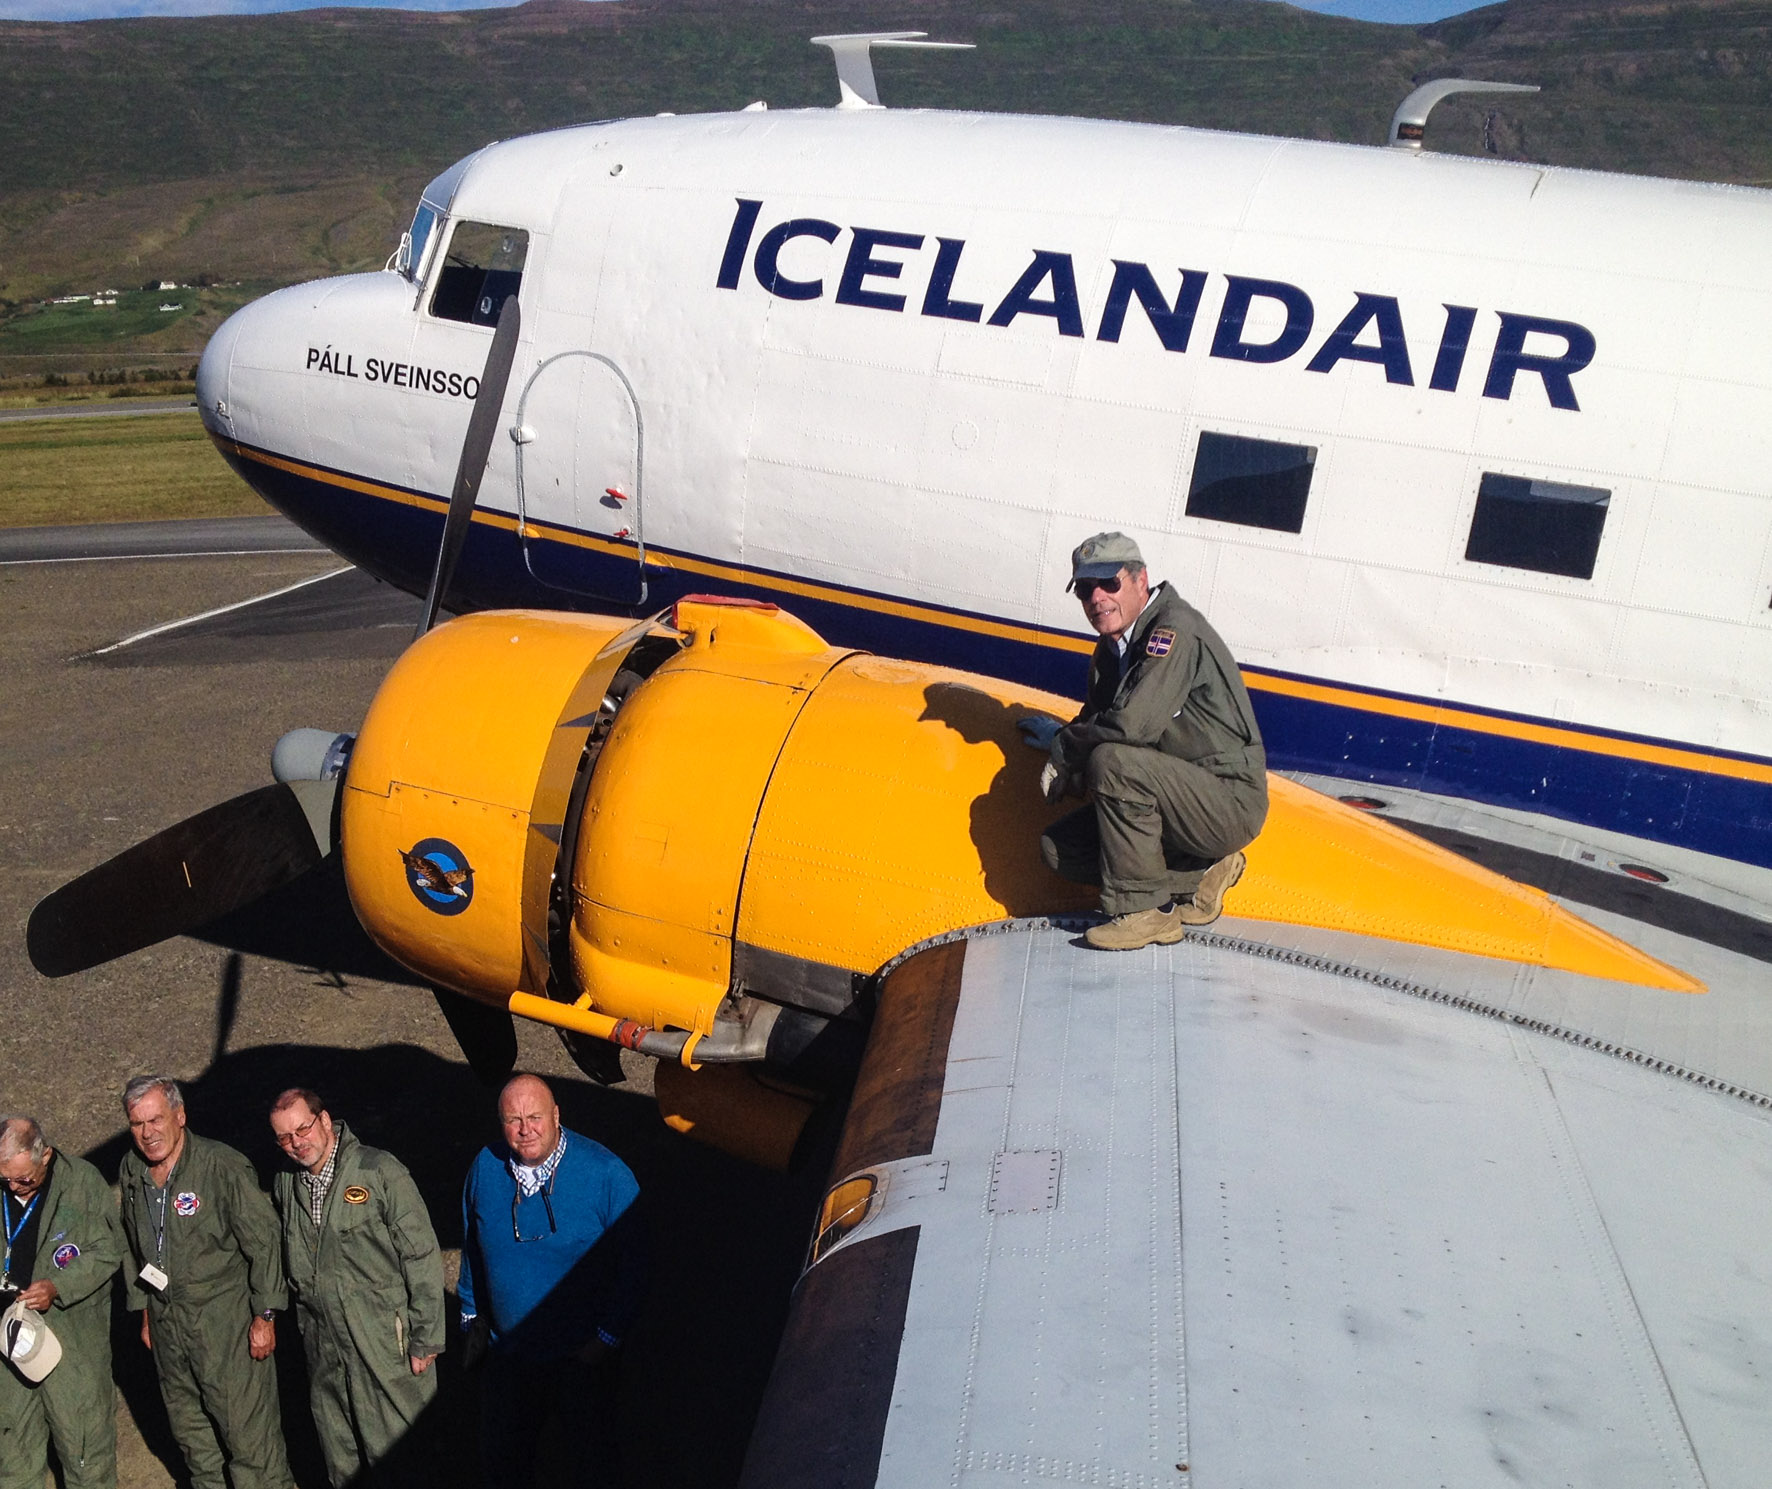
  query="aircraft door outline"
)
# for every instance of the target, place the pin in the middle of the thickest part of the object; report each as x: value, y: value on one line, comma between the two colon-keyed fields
x: 596, y: 467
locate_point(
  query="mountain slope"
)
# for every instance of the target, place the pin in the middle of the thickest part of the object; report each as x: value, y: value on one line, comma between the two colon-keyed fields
x: 274, y: 147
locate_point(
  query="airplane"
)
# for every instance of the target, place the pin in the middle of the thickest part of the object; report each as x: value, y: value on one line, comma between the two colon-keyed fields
x: 780, y: 426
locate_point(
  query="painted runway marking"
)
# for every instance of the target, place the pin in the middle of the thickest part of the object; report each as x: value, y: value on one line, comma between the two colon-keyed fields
x: 112, y: 558
x: 191, y: 620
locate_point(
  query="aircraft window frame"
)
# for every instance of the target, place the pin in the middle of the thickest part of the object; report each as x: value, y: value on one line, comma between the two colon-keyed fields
x: 419, y: 245
x: 471, y: 292
x: 439, y: 196
x: 1537, y: 526
x: 1245, y: 481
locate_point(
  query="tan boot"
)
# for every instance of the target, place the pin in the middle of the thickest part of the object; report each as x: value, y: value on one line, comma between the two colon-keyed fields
x: 1208, y: 901
x: 1139, y: 928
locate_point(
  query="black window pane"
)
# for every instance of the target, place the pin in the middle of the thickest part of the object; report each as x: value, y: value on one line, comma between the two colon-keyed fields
x: 1255, y: 482
x: 1544, y: 526
x: 483, y: 269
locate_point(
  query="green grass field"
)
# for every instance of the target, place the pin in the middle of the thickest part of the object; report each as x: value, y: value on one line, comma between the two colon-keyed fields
x: 55, y: 471
x: 145, y: 320
x: 83, y: 325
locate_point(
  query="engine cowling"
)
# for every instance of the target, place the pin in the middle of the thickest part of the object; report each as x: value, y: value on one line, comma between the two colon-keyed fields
x: 635, y: 830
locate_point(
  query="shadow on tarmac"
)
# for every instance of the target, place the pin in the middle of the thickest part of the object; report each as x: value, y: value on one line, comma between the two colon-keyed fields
x: 725, y: 1241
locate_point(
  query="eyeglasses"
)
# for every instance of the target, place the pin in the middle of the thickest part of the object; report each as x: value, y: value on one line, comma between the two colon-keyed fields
x: 287, y: 1140
x: 1087, y: 587
x: 546, y: 1193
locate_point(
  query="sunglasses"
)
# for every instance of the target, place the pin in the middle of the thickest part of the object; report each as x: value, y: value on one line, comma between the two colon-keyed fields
x: 1087, y: 587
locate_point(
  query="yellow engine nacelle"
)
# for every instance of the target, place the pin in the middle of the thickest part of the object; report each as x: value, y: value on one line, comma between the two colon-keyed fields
x: 766, y: 812
x: 616, y: 828
x: 466, y: 762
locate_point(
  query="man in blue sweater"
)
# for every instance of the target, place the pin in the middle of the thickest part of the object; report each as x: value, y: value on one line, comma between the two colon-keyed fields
x: 551, y: 1275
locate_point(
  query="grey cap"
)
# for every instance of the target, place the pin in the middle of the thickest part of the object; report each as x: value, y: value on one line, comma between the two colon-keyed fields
x: 1103, y: 556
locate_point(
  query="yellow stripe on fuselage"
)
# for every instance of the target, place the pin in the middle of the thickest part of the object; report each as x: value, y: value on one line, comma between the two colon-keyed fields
x: 1478, y: 723
x: 1441, y: 715
x: 706, y: 568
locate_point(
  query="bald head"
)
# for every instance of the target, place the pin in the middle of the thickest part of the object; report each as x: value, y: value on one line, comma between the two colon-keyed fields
x: 530, y: 1117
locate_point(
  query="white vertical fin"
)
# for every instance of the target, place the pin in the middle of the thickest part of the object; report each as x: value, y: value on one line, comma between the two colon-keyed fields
x: 1409, y: 123
x: 855, y: 68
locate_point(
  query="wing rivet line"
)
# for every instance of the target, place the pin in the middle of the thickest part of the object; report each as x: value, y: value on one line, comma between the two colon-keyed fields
x: 1311, y: 961
x: 1393, y: 983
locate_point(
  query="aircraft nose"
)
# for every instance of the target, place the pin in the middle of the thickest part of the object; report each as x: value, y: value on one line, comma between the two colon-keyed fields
x: 213, y: 373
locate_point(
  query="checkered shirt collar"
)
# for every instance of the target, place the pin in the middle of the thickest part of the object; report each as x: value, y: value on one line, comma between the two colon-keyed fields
x: 534, y: 1180
x: 319, y: 1184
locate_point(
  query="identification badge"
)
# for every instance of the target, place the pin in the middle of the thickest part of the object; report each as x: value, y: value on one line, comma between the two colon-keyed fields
x: 154, y: 1277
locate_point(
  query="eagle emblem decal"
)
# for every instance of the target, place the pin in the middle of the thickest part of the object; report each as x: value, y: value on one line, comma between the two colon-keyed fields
x: 439, y: 875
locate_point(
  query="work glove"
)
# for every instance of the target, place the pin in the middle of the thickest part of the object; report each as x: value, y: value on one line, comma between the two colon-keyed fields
x: 1053, y: 782
x: 1037, y: 731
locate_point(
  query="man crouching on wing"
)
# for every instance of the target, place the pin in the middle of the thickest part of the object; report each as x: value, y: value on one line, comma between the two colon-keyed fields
x: 1168, y: 746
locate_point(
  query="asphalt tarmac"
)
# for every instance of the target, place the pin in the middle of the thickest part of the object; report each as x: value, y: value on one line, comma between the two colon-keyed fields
x: 107, y: 410
x: 194, y: 537
x: 98, y: 749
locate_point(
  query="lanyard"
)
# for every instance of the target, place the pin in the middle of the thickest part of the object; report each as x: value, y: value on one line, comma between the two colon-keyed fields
x: 14, y: 1231
x: 160, y: 1222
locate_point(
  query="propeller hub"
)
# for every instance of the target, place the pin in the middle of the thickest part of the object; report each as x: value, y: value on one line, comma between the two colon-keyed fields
x: 311, y: 755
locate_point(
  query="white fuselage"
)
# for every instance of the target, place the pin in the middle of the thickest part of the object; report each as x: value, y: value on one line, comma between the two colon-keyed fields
x: 902, y: 362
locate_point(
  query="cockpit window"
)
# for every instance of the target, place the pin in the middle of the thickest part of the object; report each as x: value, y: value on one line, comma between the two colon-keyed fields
x: 482, y: 269
x: 433, y: 208
x: 423, y: 221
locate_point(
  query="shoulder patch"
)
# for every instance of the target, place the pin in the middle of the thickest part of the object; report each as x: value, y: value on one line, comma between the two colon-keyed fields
x: 186, y: 1203
x: 1159, y: 642
x: 64, y: 1255
x: 356, y: 1195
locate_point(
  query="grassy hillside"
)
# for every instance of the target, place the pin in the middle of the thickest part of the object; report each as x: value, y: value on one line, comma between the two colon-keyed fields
x: 273, y: 148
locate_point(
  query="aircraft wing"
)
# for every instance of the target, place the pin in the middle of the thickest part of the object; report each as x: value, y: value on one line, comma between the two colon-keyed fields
x: 1274, y: 1207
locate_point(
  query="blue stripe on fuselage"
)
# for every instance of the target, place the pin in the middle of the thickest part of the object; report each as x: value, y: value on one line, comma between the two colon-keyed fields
x: 1709, y: 812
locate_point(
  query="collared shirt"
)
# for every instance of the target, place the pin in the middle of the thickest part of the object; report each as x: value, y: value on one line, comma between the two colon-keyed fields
x: 319, y: 1184
x: 532, y: 1180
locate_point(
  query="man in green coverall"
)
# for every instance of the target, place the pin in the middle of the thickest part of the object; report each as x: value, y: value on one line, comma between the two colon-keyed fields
x: 363, y: 1263
x: 1168, y: 747
x: 62, y: 1249
x: 206, y: 1266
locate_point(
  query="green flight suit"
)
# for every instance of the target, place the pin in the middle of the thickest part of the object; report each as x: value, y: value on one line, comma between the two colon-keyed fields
x: 75, y: 1405
x: 224, y: 1264
x: 368, y: 1287
x: 1168, y: 746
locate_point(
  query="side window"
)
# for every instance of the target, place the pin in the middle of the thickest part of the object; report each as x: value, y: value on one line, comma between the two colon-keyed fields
x: 483, y: 269
x: 1544, y: 526
x: 1254, y: 482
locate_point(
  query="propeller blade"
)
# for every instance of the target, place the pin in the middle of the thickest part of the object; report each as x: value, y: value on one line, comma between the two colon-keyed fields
x: 487, y: 1035
x: 176, y: 881
x: 476, y: 449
